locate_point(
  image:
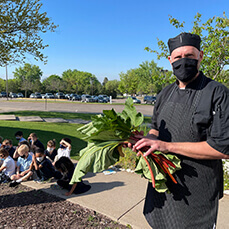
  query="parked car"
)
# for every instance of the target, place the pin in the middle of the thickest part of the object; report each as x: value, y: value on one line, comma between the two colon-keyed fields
x: 20, y: 95
x: 43, y: 96
x: 36, y: 95
x: 74, y: 97
x: 59, y: 95
x: 49, y: 96
x: 67, y: 96
x: 32, y: 96
x: 105, y: 97
x: 151, y: 100
x: 12, y: 95
x: 86, y: 99
x: 101, y: 99
x: 95, y: 98
x: 146, y: 98
x: 3, y: 94
x: 135, y: 100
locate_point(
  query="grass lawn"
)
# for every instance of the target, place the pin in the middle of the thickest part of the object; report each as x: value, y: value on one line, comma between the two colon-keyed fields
x: 45, y: 132
x: 64, y: 115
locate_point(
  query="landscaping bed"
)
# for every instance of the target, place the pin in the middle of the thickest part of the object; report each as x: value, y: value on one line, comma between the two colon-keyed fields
x: 23, y: 207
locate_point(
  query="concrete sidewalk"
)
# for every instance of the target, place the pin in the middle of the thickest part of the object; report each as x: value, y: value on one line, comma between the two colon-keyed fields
x: 120, y: 196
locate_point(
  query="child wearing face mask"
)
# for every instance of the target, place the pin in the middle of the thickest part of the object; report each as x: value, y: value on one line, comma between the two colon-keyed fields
x: 7, y: 168
x: 64, y: 150
x: 51, y: 151
x: 42, y: 166
x: 66, y: 167
x: 23, y: 171
x: 8, y: 145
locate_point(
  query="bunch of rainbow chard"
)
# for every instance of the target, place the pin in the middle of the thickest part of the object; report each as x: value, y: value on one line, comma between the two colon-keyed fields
x: 106, y: 135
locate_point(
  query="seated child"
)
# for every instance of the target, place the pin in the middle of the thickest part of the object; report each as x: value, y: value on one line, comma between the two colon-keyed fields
x: 1, y: 138
x: 43, y: 166
x: 19, y: 136
x: 8, y: 145
x: 65, y: 149
x: 51, y: 151
x: 8, y: 167
x: 16, y: 155
x: 66, y: 167
x: 34, y: 142
x: 23, y: 171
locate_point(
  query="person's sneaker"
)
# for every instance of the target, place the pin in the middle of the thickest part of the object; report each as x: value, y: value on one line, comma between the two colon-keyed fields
x: 14, y: 183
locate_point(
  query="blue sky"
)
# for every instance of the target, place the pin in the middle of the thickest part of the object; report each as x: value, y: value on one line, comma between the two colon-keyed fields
x: 107, y: 37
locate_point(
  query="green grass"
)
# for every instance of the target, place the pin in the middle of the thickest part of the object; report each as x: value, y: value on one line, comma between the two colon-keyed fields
x: 64, y: 115
x: 45, y: 132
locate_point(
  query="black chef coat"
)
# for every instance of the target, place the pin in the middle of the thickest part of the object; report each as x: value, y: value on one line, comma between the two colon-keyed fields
x: 200, y: 112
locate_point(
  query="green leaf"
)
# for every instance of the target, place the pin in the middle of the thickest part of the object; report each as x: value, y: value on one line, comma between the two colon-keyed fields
x: 95, y: 158
x: 159, y: 176
x: 130, y: 112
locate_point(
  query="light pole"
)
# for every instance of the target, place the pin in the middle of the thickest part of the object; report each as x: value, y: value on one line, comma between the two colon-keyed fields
x: 91, y: 81
x: 6, y: 83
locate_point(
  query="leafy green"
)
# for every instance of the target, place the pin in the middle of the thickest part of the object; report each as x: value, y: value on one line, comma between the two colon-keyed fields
x: 159, y: 175
x: 96, y: 157
x: 105, y: 134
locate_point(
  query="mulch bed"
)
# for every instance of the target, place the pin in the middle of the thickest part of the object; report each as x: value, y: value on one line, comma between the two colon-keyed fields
x: 22, y: 207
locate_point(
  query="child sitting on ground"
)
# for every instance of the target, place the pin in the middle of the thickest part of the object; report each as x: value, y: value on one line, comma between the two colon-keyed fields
x: 66, y: 167
x: 51, y: 151
x: 43, y: 166
x: 8, y: 167
x: 16, y: 155
x: 19, y: 136
x: 1, y: 138
x: 8, y: 145
x: 64, y: 150
x: 22, y: 167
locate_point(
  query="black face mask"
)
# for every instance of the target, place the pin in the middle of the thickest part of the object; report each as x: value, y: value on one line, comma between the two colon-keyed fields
x: 62, y: 146
x: 7, y: 147
x: 23, y: 156
x: 185, y: 69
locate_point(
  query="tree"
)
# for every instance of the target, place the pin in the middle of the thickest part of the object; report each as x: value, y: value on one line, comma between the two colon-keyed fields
x: 105, y: 80
x: 28, y: 77
x: 111, y: 88
x: 80, y: 82
x: 129, y: 82
x: 53, y: 83
x: 21, y: 22
x: 215, y: 43
x: 147, y: 79
x: 2, y: 85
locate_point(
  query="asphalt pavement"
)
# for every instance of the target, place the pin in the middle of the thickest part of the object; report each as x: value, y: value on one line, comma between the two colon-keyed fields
x: 67, y: 106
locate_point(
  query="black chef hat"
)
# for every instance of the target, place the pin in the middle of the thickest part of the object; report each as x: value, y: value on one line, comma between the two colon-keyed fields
x: 184, y: 39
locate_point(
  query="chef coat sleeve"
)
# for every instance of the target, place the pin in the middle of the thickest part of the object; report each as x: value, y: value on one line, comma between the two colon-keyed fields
x: 218, y: 133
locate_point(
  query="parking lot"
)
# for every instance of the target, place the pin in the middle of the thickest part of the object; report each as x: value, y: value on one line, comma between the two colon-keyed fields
x: 67, y: 106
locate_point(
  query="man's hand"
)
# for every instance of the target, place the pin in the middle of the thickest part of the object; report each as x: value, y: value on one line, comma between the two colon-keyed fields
x: 152, y: 143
